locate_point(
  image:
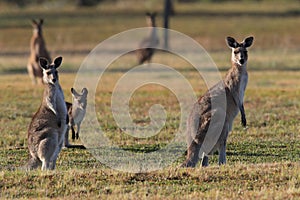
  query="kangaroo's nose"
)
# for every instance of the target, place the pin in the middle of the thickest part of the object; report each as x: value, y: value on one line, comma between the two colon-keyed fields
x: 54, y: 80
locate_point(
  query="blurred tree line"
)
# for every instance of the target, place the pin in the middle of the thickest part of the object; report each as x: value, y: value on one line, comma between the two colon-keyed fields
x: 85, y: 3
x: 79, y: 3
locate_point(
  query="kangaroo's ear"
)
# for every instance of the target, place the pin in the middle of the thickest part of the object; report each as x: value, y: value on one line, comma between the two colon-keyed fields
x: 74, y: 92
x: 57, y: 61
x: 84, y: 91
x: 231, y: 42
x: 248, y: 41
x: 33, y: 22
x: 41, y: 21
x: 43, y: 63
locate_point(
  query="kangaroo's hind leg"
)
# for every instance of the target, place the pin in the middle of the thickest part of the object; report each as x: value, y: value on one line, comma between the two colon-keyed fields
x: 66, y: 142
x: 46, y: 151
x: 33, y: 163
x: 222, y: 147
x: 222, y: 154
x: 73, y: 133
x: 59, y: 145
x: 31, y: 74
x: 192, y: 155
x: 77, y: 131
x: 204, y: 161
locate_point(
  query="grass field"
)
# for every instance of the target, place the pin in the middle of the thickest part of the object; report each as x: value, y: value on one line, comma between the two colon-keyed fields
x: 262, y: 160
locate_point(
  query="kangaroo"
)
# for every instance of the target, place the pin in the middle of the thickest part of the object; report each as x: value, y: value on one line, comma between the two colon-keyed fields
x: 76, y: 113
x: 46, y: 132
x: 37, y: 50
x: 145, y: 54
x: 234, y: 84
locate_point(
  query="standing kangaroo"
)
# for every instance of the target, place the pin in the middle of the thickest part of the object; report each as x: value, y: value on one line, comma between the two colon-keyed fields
x: 37, y: 50
x: 144, y: 53
x: 76, y: 113
x: 47, y: 129
x: 234, y: 84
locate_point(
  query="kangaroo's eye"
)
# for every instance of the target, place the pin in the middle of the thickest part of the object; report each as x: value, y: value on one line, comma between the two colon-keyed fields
x: 48, y: 73
x: 236, y: 52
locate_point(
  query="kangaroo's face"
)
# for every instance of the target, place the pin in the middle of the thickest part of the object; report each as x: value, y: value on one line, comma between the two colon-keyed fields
x: 37, y: 26
x: 80, y: 99
x: 50, y: 74
x: 239, y: 50
x: 150, y: 18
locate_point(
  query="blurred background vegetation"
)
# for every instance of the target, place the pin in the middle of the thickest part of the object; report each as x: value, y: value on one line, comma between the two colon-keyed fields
x: 74, y: 28
x: 82, y: 3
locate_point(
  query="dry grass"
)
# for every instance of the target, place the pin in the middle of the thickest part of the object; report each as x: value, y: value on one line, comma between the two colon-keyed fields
x: 263, y: 161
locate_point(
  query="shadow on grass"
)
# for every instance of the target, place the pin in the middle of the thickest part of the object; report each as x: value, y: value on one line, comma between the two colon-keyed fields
x: 251, y: 154
x: 73, y: 146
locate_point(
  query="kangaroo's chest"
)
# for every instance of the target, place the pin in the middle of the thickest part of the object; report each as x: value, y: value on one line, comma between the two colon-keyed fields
x: 243, y: 85
x: 60, y: 104
x: 78, y: 112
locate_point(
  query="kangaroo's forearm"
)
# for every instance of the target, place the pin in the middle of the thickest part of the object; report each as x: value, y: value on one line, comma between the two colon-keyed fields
x: 243, y: 115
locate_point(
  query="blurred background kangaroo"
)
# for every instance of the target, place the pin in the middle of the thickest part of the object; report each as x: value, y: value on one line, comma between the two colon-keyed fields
x: 37, y: 49
x: 76, y: 113
x: 144, y: 53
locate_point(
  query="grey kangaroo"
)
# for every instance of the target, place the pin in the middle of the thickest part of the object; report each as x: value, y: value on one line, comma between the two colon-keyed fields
x: 233, y: 85
x: 76, y: 112
x: 145, y: 54
x: 37, y: 49
x: 46, y: 132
